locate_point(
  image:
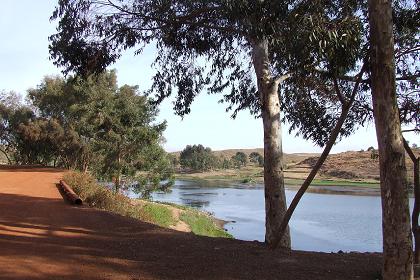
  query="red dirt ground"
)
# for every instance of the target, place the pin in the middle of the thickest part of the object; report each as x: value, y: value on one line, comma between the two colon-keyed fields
x: 42, y: 237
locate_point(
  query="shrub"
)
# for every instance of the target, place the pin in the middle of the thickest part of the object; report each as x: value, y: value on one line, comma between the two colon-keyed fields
x: 101, y: 197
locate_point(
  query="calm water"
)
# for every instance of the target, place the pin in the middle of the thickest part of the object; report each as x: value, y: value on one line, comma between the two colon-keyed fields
x: 321, y: 222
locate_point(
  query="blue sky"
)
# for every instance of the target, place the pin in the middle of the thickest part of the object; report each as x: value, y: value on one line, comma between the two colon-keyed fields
x: 24, y: 29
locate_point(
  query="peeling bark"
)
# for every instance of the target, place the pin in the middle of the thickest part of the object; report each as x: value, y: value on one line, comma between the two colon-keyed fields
x: 416, y: 209
x: 397, y: 240
x: 275, y: 197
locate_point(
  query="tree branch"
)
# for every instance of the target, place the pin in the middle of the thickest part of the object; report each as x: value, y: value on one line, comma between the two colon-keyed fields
x: 339, y: 93
x: 330, y: 143
x: 281, y: 78
x: 411, y: 130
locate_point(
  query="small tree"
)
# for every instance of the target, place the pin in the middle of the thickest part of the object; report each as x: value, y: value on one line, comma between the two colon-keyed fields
x: 198, y: 158
x: 256, y: 158
x: 239, y: 159
x: 127, y: 139
x: 226, y: 163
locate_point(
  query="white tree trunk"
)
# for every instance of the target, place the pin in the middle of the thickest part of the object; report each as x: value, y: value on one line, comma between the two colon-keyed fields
x: 275, y: 198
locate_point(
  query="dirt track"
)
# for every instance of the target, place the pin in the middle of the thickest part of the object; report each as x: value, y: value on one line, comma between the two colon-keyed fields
x: 42, y: 237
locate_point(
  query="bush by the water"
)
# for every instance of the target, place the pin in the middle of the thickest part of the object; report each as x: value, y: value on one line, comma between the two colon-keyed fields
x: 101, y: 197
x: 95, y: 195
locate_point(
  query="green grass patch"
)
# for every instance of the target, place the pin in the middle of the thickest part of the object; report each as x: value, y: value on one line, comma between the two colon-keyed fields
x: 202, y: 224
x: 324, y: 182
x: 255, y: 178
x: 159, y: 214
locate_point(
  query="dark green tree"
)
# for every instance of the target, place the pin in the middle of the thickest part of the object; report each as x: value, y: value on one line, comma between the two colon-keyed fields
x: 127, y: 139
x: 13, y: 113
x: 239, y: 159
x: 113, y: 130
x: 198, y: 158
x: 256, y: 158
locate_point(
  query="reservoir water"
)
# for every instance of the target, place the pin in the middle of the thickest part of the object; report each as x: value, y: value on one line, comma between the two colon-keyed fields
x: 321, y: 222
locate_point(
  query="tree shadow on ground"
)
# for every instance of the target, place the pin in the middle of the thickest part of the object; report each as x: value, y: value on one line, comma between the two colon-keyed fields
x: 44, y: 238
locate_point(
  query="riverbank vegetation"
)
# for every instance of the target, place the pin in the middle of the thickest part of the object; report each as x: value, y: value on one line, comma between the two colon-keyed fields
x: 347, y: 169
x: 198, y: 158
x: 164, y: 215
x: 325, y: 68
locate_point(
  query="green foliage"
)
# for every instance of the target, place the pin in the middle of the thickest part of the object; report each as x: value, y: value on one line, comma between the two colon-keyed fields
x: 226, y: 163
x: 321, y: 44
x: 316, y: 93
x: 101, y: 197
x: 202, y: 224
x: 256, y: 158
x: 239, y: 159
x: 198, y: 158
x: 88, y: 123
x: 96, y: 195
x: 161, y: 215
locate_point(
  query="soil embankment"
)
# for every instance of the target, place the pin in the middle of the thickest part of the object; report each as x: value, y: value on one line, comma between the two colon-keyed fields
x: 42, y: 237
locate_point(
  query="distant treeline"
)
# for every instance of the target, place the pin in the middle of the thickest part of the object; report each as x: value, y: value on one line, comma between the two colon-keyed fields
x: 200, y: 158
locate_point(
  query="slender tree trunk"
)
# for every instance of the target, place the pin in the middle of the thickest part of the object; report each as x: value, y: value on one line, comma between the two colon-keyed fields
x: 118, y: 178
x: 397, y: 243
x: 275, y: 197
x: 346, y: 105
x: 416, y: 209
x: 311, y: 176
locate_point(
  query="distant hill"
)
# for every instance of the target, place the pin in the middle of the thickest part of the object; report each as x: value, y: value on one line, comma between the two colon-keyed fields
x: 347, y: 165
x: 353, y: 165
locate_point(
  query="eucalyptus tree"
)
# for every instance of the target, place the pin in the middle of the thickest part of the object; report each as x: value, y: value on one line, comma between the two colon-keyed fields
x: 397, y: 249
x: 238, y: 48
x: 312, y: 109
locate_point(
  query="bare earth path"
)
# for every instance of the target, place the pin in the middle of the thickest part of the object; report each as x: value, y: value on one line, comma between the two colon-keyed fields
x: 42, y: 237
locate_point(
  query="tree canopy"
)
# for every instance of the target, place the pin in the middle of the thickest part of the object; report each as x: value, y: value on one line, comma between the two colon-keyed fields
x: 305, y: 55
x: 198, y: 158
x: 87, y: 124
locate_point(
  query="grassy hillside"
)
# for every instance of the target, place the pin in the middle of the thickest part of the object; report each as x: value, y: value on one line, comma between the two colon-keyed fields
x: 353, y: 165
x: 346, y: 168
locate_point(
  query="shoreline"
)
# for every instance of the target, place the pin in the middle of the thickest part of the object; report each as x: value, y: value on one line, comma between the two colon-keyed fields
x: 321, y: 186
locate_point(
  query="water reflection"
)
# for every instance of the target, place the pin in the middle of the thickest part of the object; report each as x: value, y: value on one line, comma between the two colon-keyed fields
x: 322, y: 222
